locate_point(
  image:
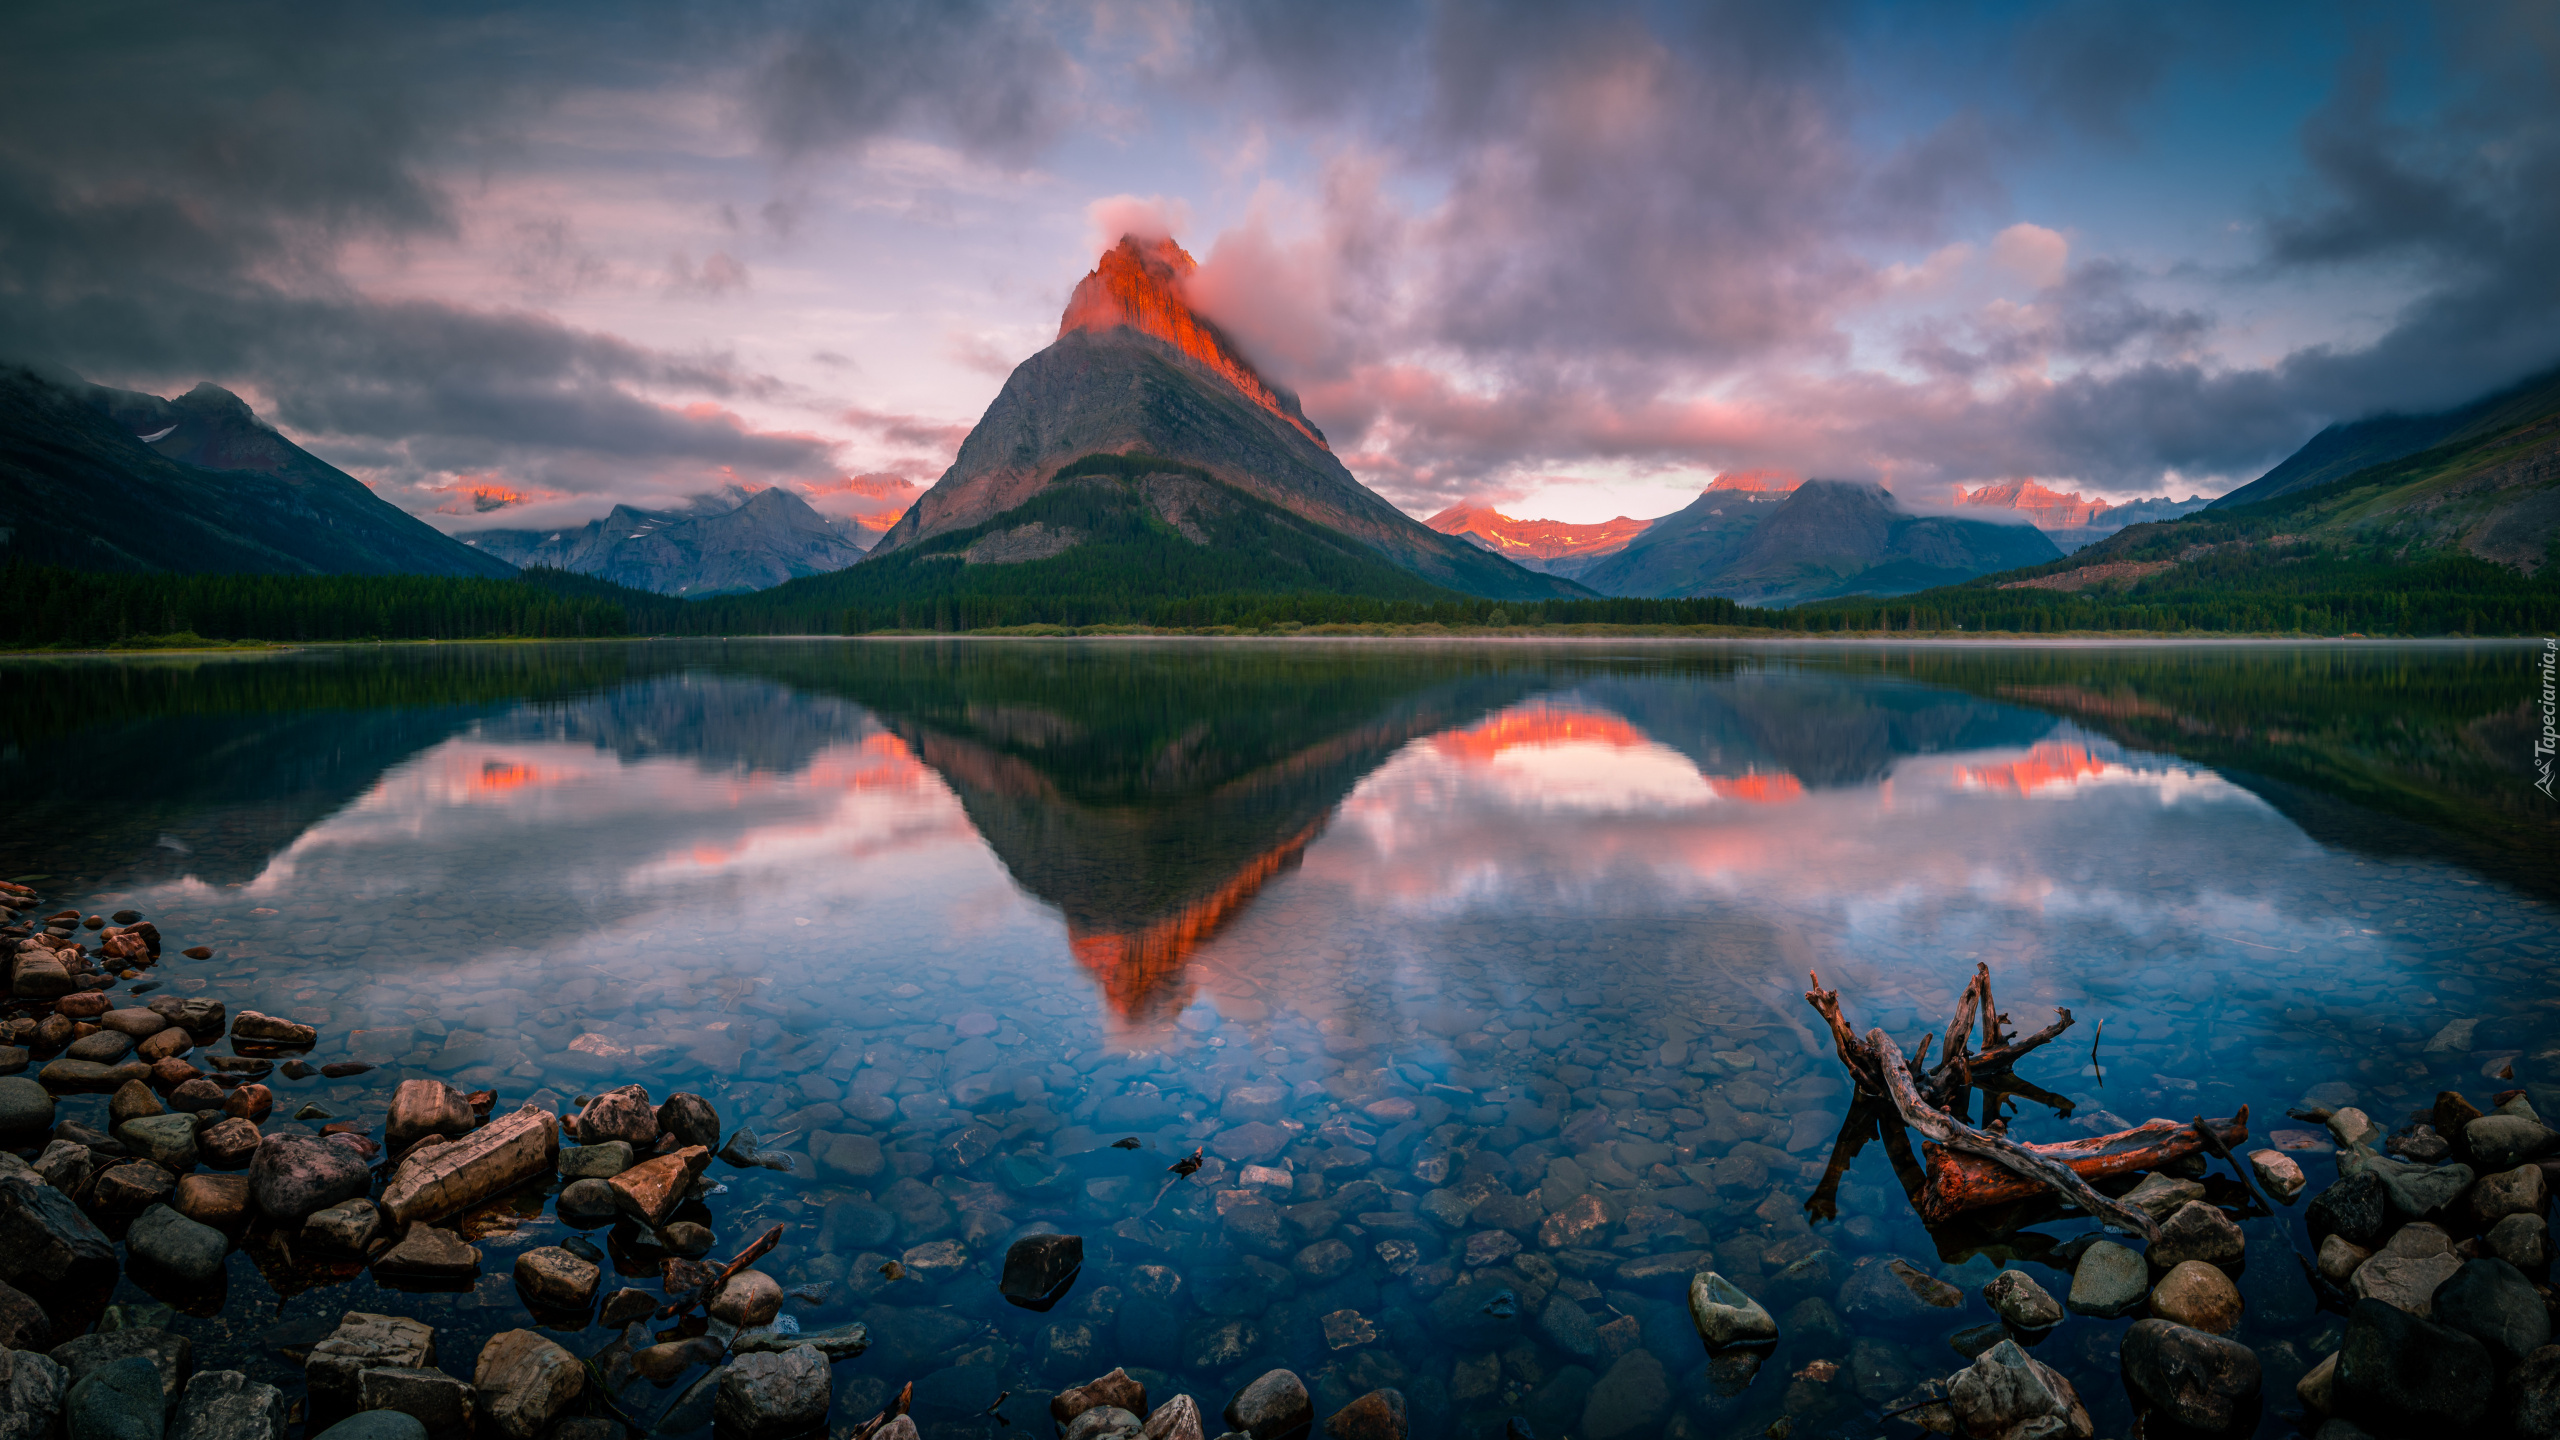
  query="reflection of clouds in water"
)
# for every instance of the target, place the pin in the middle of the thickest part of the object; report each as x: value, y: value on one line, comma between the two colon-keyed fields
x: 1546, y: 807
x: 504, y: 822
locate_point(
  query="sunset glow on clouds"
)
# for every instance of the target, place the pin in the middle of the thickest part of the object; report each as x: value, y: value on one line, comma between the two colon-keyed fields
x: 1573, y: 259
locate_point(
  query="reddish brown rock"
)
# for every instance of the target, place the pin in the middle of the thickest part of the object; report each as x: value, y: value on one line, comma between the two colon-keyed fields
x: 87, y: 1006
x: 437, y: 1180
x: 425, y: 1107
x: 650, y: 1191
x: 624, y: 1114
x: 228, y: 1145
x: 167, y: 1043
x: 221, y: 1201
x: 253, y: 1102
x: 197, y: 1095
x: 139, y: 1023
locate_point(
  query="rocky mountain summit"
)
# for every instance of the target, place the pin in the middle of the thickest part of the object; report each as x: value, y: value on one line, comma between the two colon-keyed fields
x: 1135, y: 371
x: 721, y: 545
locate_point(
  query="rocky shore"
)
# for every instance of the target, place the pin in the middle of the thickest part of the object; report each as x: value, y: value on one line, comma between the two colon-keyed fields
x: 1584, y: 1276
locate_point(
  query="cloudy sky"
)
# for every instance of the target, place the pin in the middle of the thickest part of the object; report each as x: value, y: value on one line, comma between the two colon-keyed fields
x: 1574, y: 259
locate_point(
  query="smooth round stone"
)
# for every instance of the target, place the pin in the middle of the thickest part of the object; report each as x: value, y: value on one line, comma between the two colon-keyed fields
x: 751, y: 1298
x: 119, y: 1400
x: 2197, y: 1295
x: 376, y: 1425
x: 193, y: 1252
x: 24, y: 1106
x: 2109, y: 1281
x: 601, y: 1161
x: 2195, y: 1379
x: 686, y: 1238
x: 1724, y: 1315
x: 588, y: 1202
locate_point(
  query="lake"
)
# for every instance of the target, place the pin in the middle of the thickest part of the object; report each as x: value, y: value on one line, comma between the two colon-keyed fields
x: 1475, y: 972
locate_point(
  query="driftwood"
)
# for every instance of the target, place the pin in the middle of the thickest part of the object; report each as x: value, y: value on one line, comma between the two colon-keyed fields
x: 1959, y: 1182
x: 1960, y: 1067
x: 2040, y: 1169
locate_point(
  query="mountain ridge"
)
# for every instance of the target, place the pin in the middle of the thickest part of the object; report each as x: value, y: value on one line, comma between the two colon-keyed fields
x: 771, y: 537
x: 96, y: 478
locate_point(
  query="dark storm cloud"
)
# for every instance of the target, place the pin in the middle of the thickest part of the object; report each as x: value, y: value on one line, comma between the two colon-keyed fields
x: 178, y: 184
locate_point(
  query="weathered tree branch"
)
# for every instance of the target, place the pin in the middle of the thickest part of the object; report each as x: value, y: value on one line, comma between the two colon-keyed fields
x: 1956, y: 1135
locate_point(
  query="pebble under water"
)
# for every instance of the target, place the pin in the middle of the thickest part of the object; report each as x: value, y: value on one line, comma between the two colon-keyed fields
x: 1475, y: 976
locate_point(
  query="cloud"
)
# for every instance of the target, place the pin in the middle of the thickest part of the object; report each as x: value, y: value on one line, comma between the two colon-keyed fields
x: 1149, y: 217
x: 2032, y: 253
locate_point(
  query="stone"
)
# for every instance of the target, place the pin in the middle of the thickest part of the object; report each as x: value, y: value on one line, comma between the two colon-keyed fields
x: 23, y: 1323
x: 2356, y: 1207
x: 2197, y: 1231
x: 87, y: 1077
x: 525, y: 1382
x: 172, y: 1357
x: 1106, y: 1422
x: 1324, y: 1261
x: 588, y: 1202
x: 294, y: 1175
x: 2406, y: 1282
x: 1118, y: 1390
x: 429, y: 1396
x: 687, y: 1238
x: 124, y: 1187
x: 751, y: 1298
x: 101, y: 1047
x: 837, y: 1342
x: 1724, y: 1316
x: 2415, y: 1192
x: 765, y: 1397
x: 2492, y: 1302
x: 650, y: 1191
x: 168, y: 1141
x: 2397, y: 1372
x: 2278, y: 1175
x: 273, y: 1030
x: 2159, y: 1196
x: 2200, y: 1381
x: 137, y: 1022
x: 2534, y: 1409
x: 2352, y: 1127
x: 2017, y: 1299
x: 1378, y: 1415
x: 251, y: 1102
x: 691, y: 1119
x: 1630, y: 1402
x: 2339, y: 1258
x: 553, y: 1279
x: 2417, y: 1241
x: 2007, y: 1395
x: 427, y: 1253
x: 2501, y: 1142
x: 166, y: 1046
x: 2318, y: 1387
x: 363, y: 1342
x: 426, y: 1107
x: 25, y: 1106
x: 221, y: 1201
x: 34, y: 974
x: 196, y: 1095
x: 2199, y: 1296
x: 2523, y: 1241
x: 2520, y: 1191
x: 1274, y: 1405
x: 184, y: 1248
x: 2109, y: 1281
x: 1176, y: 1419
x: 624, y: 1114
x: 381, y: 1425
x: 132, y: 1101
x: 228, y: 1145
x: 1040, y: 1269
x: 349, y: 1225
x: 32, y: 1389
x: 436, y: 1180
x: 45, y: 1241
x: 595, y: 1162
x: 228, y: 1405
x: 119, y: 1400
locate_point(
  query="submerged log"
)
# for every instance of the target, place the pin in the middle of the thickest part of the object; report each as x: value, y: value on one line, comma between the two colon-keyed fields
x: 2033, y: 1166
x: 1959, y: 1182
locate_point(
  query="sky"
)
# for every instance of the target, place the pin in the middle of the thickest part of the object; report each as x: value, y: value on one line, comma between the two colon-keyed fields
x: 511, y: 265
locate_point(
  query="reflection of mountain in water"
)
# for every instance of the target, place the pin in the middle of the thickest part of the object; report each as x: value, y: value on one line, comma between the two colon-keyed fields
x: 1827, y: 731
x: 1149, y: 794
x: 718, y: 722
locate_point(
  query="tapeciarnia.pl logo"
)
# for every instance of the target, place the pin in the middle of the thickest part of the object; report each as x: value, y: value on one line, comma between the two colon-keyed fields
x: 2549, y: 740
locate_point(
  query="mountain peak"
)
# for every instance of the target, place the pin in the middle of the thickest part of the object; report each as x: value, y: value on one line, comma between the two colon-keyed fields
x: 1139, y: 283
x: 1534, y: 539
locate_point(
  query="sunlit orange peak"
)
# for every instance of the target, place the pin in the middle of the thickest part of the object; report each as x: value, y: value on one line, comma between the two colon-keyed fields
x: 1139, y: 969
x: 2051, y: 763
x: 1773, y: 788
x: 1757, y: 482
x: 499, y: 776
x: 1139, y: 284
x: 1536, y: 725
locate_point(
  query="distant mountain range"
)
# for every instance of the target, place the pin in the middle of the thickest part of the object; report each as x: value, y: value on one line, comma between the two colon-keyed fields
x: 2070, y: 520
x: 94, y: 478
x: 1554, y: 547
x: 722, y: 544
